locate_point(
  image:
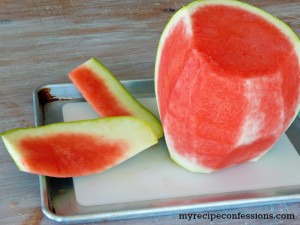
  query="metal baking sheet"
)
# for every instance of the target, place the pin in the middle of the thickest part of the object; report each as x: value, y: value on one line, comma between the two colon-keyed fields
x: 58, y: 197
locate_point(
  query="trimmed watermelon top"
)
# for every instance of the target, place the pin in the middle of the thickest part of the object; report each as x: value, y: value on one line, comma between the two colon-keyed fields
x: 240, y: 43
x: 227, y: 81
x: 238, y: 40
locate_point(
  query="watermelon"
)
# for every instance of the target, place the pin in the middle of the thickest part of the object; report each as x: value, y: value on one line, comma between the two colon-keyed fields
x: 227, y: 83
x: 107, y: 96
x: 78, y: 148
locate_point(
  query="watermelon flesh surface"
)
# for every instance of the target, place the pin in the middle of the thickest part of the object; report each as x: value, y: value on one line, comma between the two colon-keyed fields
x: 97, y: 92
x: 72, y: 149
x: 227, y: 82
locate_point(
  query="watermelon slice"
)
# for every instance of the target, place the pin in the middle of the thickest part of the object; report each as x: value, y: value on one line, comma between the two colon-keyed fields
x: 78, y: 148
x: 107, y: 96
x: 227, y: 81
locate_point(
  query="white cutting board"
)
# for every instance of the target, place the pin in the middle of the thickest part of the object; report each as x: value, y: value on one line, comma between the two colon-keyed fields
x: 153, y: 175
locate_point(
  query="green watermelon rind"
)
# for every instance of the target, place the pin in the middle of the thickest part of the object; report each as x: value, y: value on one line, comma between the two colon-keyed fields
x: 125, y: 98
x: 142, y: 137
x: 185, y: 13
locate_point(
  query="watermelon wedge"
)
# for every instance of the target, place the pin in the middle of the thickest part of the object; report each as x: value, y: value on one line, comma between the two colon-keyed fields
x: 107, y: 96
x: 78, y: 148
x: 227, y: 82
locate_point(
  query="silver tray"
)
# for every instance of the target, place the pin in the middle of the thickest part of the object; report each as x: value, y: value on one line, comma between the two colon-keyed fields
x: 58, y: 200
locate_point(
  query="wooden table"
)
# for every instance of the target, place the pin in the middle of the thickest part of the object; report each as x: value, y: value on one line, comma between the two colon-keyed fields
x: 41, y: 41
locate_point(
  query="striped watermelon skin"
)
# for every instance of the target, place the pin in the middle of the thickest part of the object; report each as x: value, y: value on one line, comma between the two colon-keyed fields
x: 228, y: 88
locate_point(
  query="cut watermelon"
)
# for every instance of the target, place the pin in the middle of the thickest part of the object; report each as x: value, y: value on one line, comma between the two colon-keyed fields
x: 78, y: 148
x: 227, y: 82
x: 107, y: 96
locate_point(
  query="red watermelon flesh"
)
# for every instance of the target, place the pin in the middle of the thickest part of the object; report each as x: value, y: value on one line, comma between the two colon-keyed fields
x: 227, y: 83
x: 78, y: 148
x: 107, y: 96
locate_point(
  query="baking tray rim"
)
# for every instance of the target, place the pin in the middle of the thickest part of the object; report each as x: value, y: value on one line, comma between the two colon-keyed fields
x: 165, y: 210
x: 158, y: 210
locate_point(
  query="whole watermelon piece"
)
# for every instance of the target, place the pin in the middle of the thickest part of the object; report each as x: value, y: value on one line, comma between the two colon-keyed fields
x: 227, y: 83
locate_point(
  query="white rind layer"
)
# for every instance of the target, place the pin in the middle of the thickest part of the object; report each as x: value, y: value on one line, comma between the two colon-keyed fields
x: 187, y: 163
x: 254, y: 121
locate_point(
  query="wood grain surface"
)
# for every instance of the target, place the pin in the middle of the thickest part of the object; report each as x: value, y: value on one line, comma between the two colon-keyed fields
x: 41, y: 41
